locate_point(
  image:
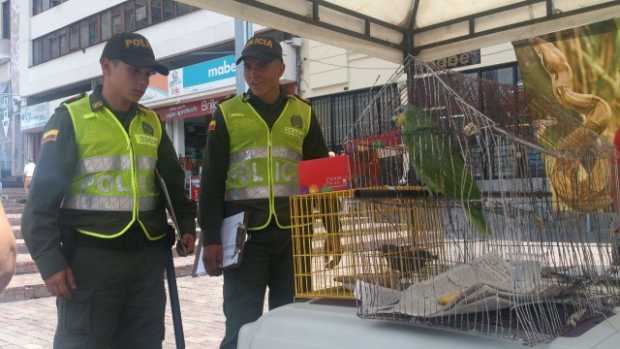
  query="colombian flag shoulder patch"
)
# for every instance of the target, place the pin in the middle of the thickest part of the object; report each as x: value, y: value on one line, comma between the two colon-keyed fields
x: 212, y: 126
x: 50, y: 136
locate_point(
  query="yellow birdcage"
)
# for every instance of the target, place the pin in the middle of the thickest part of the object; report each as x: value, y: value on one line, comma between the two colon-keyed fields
x: 343, y: 237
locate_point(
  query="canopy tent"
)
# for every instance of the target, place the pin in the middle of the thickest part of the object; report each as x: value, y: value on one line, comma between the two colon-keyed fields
x: 429, y: 29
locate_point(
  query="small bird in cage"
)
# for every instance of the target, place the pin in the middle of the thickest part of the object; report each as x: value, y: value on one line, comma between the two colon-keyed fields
x: 405, y: 259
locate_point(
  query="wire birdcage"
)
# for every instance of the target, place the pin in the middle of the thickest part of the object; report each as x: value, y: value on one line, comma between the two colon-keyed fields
x: 357, y: 224
x: 453, y: 223
x: 524, y: 255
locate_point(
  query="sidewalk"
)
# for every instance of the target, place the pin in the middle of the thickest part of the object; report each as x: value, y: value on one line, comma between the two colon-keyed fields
x: 30, y: 324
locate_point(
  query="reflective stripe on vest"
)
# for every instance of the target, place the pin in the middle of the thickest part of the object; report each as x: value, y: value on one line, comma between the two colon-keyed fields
x: 263, y: 161
x: 115, y: 171
x: 114, y: 163
x: 283, y: 170
x: 279, y: 190
x: 107, y: 203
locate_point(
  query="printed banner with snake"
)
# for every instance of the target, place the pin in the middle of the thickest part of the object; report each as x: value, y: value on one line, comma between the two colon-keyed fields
x: 572, y: 80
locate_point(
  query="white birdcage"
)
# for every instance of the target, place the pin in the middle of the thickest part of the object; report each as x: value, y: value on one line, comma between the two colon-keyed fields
x: 492, y: 245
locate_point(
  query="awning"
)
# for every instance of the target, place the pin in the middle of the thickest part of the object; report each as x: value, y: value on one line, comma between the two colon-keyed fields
x: 430, y: 29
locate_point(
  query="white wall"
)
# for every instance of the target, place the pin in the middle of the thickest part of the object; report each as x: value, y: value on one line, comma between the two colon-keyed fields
x: 328, y: 69
x: 494, y: 55
x: 174, y: 37
x: 4, y: 72
x: 20, y: 43
x: 66, y: 13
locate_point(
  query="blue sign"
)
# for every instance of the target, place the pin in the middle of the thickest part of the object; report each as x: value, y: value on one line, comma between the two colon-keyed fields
x: 209, y: 71
x: 35, y: 116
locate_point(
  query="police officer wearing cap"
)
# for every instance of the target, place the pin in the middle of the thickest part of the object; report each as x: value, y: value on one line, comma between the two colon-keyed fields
x: 254, y: 143
x: 95, y: 222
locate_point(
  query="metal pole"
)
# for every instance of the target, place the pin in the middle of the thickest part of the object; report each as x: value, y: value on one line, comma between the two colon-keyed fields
x: 243, y: 31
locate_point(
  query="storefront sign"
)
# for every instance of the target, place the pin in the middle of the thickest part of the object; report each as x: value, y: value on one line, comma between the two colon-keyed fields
x: 460, y: 60
x: 203, y: 76
x: 35, y: 116
x: 157, y: 90
x: 214, y: 74
x: 188, y: 110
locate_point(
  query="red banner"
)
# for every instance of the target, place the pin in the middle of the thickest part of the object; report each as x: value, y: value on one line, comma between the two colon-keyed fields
x: 189, y: 110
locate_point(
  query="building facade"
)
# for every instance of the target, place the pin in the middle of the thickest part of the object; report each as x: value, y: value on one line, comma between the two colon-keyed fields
x: 50, y: 50
x: 59, y: 43
x: 340, y: 85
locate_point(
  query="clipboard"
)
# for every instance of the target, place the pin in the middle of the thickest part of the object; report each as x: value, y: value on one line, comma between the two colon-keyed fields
x: 233, y: 235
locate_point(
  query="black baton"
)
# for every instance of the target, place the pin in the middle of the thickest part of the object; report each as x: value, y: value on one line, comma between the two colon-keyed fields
x: 175, y: 306
x: 173, y: 292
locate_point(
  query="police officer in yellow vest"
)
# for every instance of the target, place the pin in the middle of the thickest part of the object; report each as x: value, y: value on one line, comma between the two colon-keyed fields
x: 254, y: 143
x: 95, y: 221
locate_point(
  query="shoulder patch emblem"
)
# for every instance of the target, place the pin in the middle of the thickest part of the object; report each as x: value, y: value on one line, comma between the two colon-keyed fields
x: 148, y: 129
x: 97, y: 105
x: 73, y: 99
x: 50, y: 136
x: 297, y: 121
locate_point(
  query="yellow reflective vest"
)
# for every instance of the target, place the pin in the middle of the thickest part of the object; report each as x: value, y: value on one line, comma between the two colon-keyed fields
x: 263, y: 161
x: 115, y: 172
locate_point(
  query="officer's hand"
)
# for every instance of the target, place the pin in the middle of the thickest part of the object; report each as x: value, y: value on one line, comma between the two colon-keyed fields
x: 61, y: 283
x: 213, y: 260
x: 333, y: 248
x: 188, y: 241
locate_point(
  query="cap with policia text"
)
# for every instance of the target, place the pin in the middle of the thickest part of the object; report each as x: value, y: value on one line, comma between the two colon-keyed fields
x: 133, y: 49
x: 262, y: 48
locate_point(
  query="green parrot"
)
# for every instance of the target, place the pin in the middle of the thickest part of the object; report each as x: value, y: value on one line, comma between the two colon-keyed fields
x: 438, y: 165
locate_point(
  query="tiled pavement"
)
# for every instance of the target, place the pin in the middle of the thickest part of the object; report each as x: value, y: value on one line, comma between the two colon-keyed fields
x: 28, y: 314
x: 30, y: 324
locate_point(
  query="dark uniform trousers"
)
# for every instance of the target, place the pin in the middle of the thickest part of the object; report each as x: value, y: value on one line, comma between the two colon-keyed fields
x: 267, y: 262
x: 119, y: 301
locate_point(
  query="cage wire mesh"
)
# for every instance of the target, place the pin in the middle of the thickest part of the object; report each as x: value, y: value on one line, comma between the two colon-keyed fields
x: 463, y: 220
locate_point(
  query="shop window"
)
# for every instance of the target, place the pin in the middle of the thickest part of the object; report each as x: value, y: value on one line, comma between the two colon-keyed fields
x: 84, y: 34
x: 39, y: 6
x: 44, y: 5
x: 142, y: 19
x: 183, y: 9
x: 168, y: 6
x: 6, y: 19
x: 53, y: 45
x: 130, y: 16
x: 470, y: 89
x: 37, y: 51
x: 106, y: 25
x: 63, y: 40
x: 117, y: 20
x: 195, y: 142
x: 505, y: 76
x: 74, y: 37
x: 36, y: 7
x: 93, y: 30
x: 536, y: 164
x: 156, y: 11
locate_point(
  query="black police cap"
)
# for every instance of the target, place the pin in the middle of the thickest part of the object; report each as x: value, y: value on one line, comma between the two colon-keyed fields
x: 133, y: 49
x: 262, y: 48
